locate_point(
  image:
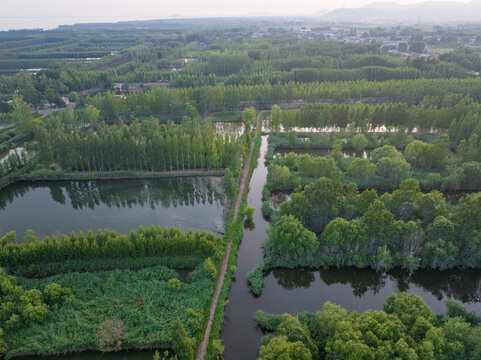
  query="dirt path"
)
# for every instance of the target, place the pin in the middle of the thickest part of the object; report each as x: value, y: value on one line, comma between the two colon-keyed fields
x: 215, y: 299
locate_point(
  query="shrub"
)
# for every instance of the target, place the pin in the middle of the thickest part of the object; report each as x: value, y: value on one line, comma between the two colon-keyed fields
x: 266, y: 209
x: 255, y: 277
x: 249, y: 212
x: 209, y: 268
x: 175, y: 285
x: 54, y: 293
x: 181, y: 344
x: 111, y: 334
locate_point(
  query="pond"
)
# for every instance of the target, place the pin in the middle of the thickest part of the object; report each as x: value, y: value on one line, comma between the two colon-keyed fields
x: 229, y: 127
x: 5, y: 154
x: 58, y: 207
x: 294, y: 291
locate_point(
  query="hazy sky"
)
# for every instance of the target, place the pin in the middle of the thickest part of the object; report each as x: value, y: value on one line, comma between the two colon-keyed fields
x: 50, y: 13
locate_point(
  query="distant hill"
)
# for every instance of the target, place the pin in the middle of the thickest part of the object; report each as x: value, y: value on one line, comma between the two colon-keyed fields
x: 429, y: 11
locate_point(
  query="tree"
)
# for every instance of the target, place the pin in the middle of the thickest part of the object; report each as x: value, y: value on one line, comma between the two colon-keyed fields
x: 417, y: 46
x: 209, y: 268
x: 22, y: 113
x: 337, y: 154
x: 249, y: 212
x: 295, y: 331
x: 181, y: 344
x: 54, y: 293
x: 408, y: 308
x: 280, y: 175
x: 341, y: 242
x: 362, y: 169
x: 175, y: 284
x: 467, y: 215
x: 360, y: 142
x: 388, y: 151
x: 280, y: 348
x: 393, y: 170
x: 249, y: 118
x: 73, y: 97
x: 292, y: 137
x: 3, y: 345
x: 275, y: 119
x: 291, y: 245
x: 228, y: 183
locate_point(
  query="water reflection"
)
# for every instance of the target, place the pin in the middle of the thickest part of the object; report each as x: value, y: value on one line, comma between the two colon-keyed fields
x: 229, y: 127
x: 295, y: 291
x: 63, y: 206
x: 462, y: 285
x: 315, y: 152
x: 17, y: 150
x: 290, y: 280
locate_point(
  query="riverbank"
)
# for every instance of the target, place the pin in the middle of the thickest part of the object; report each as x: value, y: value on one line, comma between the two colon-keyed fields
x: 52, y: 175
x: 234, y: 232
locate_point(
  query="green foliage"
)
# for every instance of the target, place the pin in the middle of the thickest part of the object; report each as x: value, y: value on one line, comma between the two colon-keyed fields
x: 73, y: 97
x: 266, y: 209
x: 360, y: 142
x: 406, y: 329
x: 209, y: 268
x: 136, y: 298
x: 175, y: 284
x: 406, y: 228
x: 289, y: 244
x: 280, y: 175
x: 362, y: 169
x: 292, y: 136
x: 249, y: 212
x: 141, y: 146
x: 275, y: 119
x: 153, y: 241
x: 324, y: 200
x: 249, y: 118
x: 255, y: 277
x: 229, y: 183
x: 181, y: 344
x: 281, y: 348
x: 3, y: 346
x: 21, y: 112
x: 54, y: 293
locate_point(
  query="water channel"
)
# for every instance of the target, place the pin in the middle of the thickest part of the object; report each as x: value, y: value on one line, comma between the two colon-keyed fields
x: 295, y: 291
x: 198, y: 203
x: 58, y: 207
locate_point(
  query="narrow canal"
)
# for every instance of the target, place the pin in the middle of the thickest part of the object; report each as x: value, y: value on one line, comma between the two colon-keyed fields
x: 294, y: 291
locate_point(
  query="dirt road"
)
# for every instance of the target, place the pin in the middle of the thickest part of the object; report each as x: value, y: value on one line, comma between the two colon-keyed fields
x: 215, y: 299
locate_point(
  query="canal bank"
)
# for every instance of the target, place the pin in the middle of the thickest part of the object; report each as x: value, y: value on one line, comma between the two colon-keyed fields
x: 297, y: 290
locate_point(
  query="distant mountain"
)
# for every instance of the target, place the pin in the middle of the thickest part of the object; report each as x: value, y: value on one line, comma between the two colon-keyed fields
x: 429, y: 11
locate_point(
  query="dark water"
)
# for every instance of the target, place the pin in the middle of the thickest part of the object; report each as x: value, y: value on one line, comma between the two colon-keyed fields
x: 294, y: 291
x: 365, y: 154
x: 91, y: 355
x: 59, y: 207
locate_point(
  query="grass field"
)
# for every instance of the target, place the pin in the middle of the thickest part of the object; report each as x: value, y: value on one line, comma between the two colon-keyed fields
x: 142, y: 300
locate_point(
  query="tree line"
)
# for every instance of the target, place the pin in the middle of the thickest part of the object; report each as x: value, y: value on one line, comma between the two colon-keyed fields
x: 405, y: 328
x: 435, y: 165
x: 165, y: 101
x: 405, y: 228
x: 146, y: 242
x: 460, y: 118
x: 145, y: 146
